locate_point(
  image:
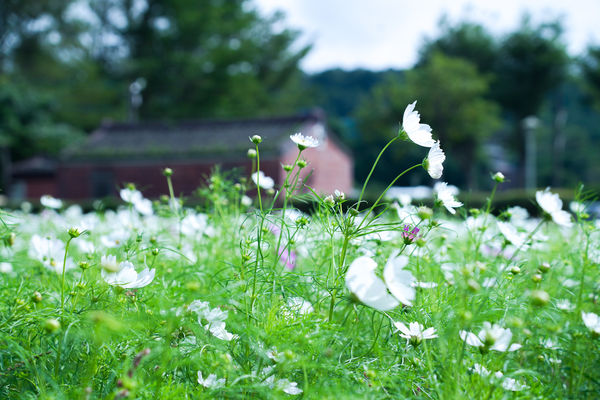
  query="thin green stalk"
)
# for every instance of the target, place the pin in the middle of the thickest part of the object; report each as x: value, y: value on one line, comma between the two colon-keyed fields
x: 362, y: 192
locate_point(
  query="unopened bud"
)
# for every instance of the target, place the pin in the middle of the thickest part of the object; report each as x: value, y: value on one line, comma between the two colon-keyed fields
x: 540, y: 297
x: 251, y: 153
x: 256, y: 139
x: 544, y: 267
x: 74, y: 232
x: 515, y: 270
x: 302, y: 163
x: 424, y: 212
x: 329, y: 201
x: 498, y: 177
x: 51, y: 325
x: 537, y: 278
x: 37, y: 297
x: 287, y: 167
x: 167, y: 172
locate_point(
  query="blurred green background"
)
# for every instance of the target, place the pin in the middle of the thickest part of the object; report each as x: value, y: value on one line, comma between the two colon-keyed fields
x: 515, y: 102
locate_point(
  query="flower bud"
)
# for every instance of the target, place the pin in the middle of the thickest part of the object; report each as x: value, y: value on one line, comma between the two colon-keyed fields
x: 329, y: 201
x: 84, y: 265
x: 155, y: 252
x: 251, y: 153
x: 515, y: 270
x: 544, y: 267
x: 537, y: 278
x: 302, y: 163
x: 540, y: 297
x: 256, y: 139
x: 424, y: 212
x: 37, y: 297
x: 287, y: 167
x: 498, y: 177
x: 51, y: 325
x: 167, y: 172
x: 74, y: 232
x: 473, y: 285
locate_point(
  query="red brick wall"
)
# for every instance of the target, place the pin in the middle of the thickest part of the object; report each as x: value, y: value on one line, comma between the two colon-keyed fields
x: 75, y: 180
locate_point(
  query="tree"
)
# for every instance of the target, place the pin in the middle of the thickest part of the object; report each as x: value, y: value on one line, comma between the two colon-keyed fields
x: 531, y: 63
x: 451, y: 98
x: 467, y: 40
x: 199, y: 59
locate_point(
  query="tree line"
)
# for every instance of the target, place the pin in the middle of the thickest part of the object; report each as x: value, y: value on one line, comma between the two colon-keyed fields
x: 65, y: 65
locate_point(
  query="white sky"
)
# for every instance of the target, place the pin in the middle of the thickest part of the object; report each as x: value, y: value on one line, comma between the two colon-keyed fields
x: 380, y: 34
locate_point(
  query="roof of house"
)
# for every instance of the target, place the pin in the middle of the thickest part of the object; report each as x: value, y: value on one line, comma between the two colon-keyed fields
x: 208, y: 139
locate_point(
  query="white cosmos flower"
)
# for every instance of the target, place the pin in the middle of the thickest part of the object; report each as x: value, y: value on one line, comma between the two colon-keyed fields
x: 434, y: 161
x: 51, y: 202
x: 264, y: 181
x: 304, y: 142
x: 444, y: 194
x: 511, y: 234
x: 210, y: 381
x: 128, y: 278
x: 214, y: 317
x: 417, y: 132
x: 492, y: 337
x: 415, y: 333
x: 372, y: 291
x: 552, y: 204
x: 592, y: 321
x: 399, y: 280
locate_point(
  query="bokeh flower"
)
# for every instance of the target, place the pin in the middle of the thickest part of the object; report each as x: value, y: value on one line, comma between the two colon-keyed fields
x: 552, y: 205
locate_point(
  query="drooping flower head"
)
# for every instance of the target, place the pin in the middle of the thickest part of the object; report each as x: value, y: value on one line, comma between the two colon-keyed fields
x: 416, y: 131
x: 446, y: 196
x: 434, y: 161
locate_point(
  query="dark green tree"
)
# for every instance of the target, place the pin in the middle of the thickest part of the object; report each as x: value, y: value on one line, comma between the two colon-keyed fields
x: 451, y: 98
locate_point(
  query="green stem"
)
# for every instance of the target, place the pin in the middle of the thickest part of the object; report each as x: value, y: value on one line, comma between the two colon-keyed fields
x: 362, y: 192
x: 386, y: 190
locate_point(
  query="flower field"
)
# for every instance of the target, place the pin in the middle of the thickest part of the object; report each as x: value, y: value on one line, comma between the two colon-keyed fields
x: 247, y: 297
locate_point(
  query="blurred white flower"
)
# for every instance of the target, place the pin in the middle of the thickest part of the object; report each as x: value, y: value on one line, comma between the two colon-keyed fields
x: 592, y: 321
x: 210, y: 381
x: 372, y: 291
x: 491, y: 337
x: 304, y: 142
x: 214, y: 317
x: 444, y: 194
x: 577, y: 207
x: 264, y: 181
x: 415, y: 332
x: 511, y: 234
x: 127, y: 277
x: 364, y: 284
x: 51, y: 202
x: 417, y: 132
x: 565, y: 305
x: 552, y: 205
x: 50, y: 252
x: 6, y: 267
x: 434, y: 161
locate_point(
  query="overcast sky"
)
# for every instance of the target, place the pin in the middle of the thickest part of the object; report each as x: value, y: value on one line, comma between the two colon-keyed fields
x: 380, y: 34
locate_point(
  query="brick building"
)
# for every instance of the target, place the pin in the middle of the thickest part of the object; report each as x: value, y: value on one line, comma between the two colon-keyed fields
x: 118, y: 153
